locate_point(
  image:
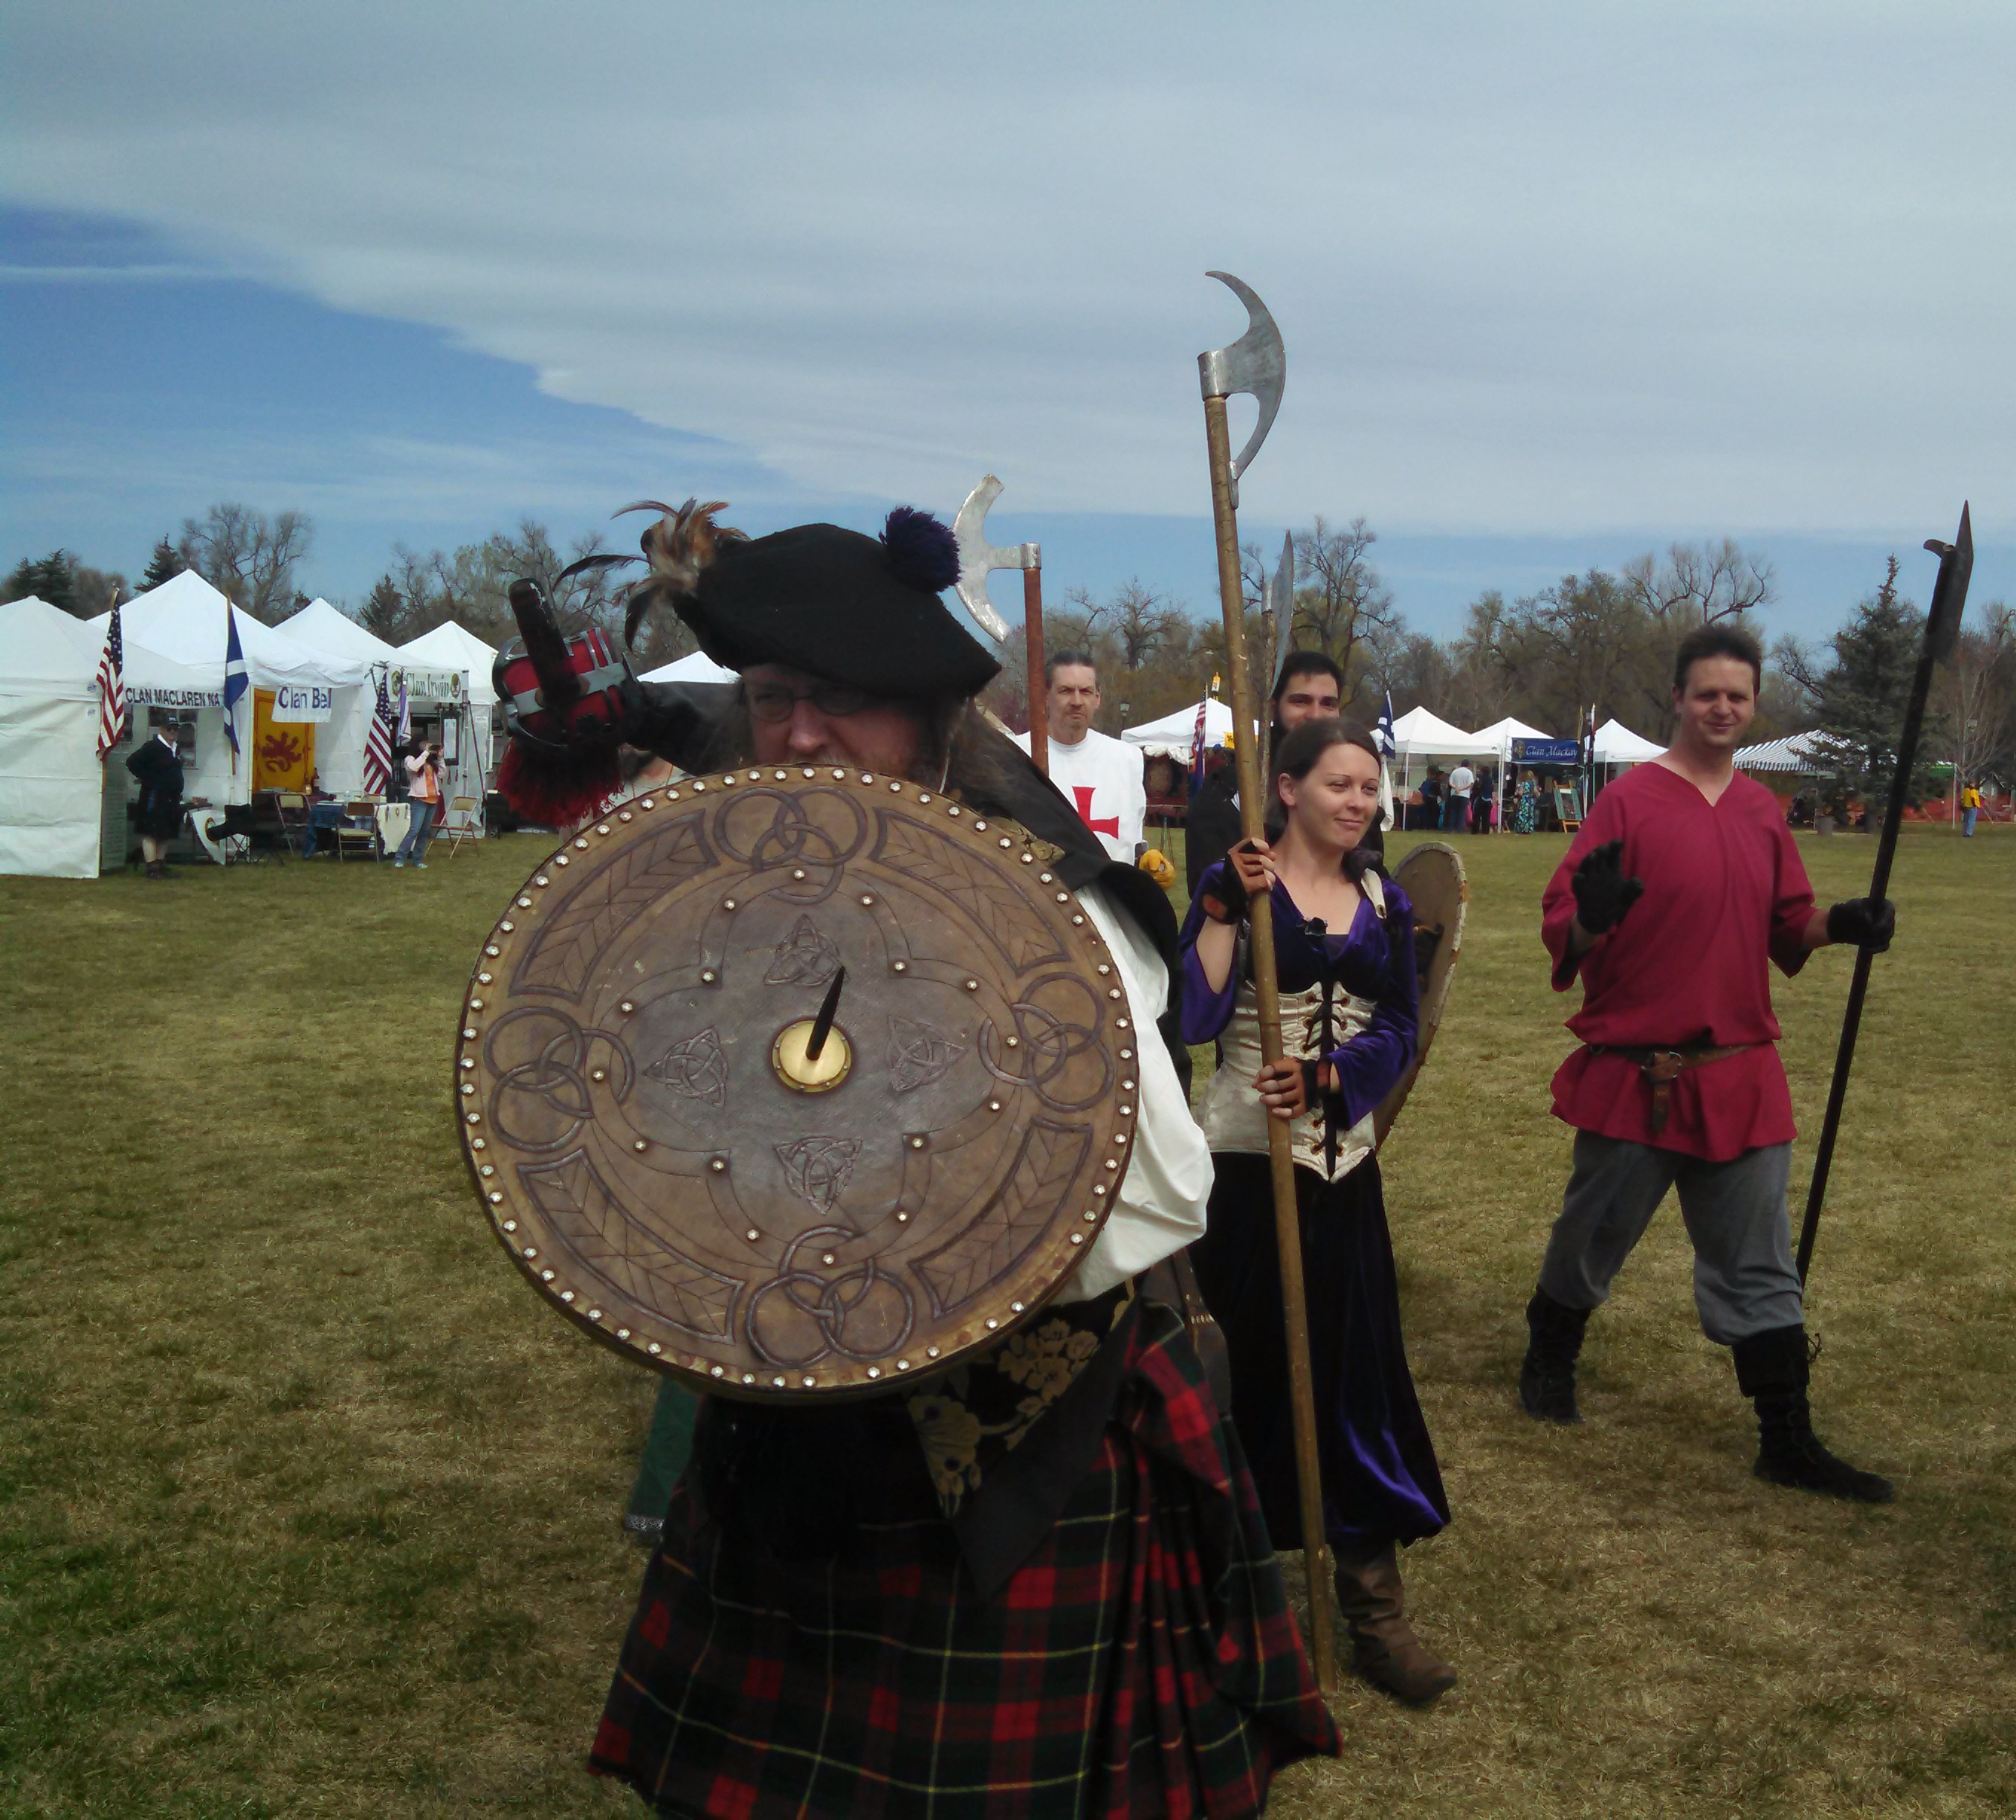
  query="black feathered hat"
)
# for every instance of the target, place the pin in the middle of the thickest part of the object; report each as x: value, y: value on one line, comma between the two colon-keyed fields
x: 833, y: 603
x: 818, y: 597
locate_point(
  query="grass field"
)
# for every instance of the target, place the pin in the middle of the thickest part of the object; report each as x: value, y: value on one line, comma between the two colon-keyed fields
x: 307, y: 1507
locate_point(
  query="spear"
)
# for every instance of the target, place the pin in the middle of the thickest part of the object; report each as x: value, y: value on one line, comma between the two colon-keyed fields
x: 1257, y: 363
x: 978, y: 558
x: 1942, y: 634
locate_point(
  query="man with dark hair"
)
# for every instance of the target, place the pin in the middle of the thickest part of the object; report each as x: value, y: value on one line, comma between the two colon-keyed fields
x: 1683, y: 884
x: 876, y: 1606
x: 1102, y: 778
x: 1310, y: 688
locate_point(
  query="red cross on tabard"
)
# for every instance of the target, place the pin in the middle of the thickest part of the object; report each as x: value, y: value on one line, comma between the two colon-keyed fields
x: 1109, y: 825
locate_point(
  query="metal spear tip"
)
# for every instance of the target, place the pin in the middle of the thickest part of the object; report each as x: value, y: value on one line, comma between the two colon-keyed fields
x: 1257, y: 363
x: 1949, y: 591
x: 1281, y: 602
x: 978, y: 558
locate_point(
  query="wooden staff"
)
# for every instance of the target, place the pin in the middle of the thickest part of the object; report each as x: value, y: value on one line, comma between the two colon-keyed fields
x: 1267, y: 993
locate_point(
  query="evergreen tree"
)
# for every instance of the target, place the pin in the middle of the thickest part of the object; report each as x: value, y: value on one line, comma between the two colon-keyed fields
x: 1859, y: 700
x: 384, y: 611
x: 163, y: 565
x: 53, y: 579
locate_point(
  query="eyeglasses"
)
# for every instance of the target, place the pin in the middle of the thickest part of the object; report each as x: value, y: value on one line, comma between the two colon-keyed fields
x: 771, y: 701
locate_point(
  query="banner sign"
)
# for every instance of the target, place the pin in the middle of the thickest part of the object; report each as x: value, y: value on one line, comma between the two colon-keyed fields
x: 432, y: 685
x: 1546, y: 751
x: 141, y: 696
x: 295, y: 702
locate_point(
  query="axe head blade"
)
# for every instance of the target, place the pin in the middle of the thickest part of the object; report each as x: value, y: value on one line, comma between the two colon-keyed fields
x: 1281, y: 604
x: 1949, y: 591
x: 978, y: 558
x: 1257, y: 363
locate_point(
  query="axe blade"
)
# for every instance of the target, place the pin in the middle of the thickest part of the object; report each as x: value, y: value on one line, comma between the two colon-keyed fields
x: 1281, y: 604
x: 1949, y: 591
x: 1257, y: 363
x: 978, y: 558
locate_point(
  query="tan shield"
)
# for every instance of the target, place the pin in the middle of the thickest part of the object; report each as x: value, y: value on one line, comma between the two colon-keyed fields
x: 669, y: 1168
x: 1431, y: 875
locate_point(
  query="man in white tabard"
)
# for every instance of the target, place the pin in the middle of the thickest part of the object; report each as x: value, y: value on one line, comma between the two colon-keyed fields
x: 1462, y: 780
x: 1101, y: 776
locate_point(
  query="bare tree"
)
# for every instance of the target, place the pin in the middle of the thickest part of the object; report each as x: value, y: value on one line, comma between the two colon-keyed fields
x: 248, y: 558
x: 1699, y: 583
x: 1141, y: 621
x: 1339, y: 599
x: 1976, y: 693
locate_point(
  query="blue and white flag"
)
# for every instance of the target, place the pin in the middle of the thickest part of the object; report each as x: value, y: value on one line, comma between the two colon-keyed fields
x: 235, y: 681
x: 405, y: 715
x: 1384, y: 736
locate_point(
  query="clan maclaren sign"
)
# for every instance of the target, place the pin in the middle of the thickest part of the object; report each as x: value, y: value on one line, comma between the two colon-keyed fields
x: 796, y: 1082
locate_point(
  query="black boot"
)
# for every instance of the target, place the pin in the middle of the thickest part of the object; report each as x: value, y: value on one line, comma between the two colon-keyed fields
x: 1771, y: 1370
x: 1547, y: 1379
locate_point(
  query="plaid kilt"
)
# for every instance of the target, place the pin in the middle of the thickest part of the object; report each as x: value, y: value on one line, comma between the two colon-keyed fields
x: 1143, y: 1661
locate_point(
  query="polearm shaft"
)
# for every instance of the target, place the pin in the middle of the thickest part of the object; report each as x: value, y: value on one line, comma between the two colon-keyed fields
x: 1942, y: 629
x: 1039, y: 690
x: 1266, y: 990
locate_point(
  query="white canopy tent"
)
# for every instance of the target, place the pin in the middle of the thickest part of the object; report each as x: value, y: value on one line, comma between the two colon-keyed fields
x: 1420, y: 734
x: 1171, y: 736
x: 1795, y: 753
x: 695, y: 667
x: 185, y: 620
x: 1503, y: 733
x: 447, y: 672
x: 62, y: 813
x: 331, y: 633
x: 1616, y: 744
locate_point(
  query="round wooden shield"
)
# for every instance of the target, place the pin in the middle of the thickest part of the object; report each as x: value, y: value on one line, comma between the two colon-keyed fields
x: 1431, y: 875
x: 669, y: 1164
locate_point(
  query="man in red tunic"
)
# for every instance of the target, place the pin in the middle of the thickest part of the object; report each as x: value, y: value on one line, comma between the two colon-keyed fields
x: 1683, y: 884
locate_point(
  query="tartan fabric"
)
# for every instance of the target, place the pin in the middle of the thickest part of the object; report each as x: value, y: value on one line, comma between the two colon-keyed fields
x: 1143, y: 1661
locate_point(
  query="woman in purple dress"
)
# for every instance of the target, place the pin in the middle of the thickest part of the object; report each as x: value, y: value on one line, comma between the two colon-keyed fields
x: 1344, y: 950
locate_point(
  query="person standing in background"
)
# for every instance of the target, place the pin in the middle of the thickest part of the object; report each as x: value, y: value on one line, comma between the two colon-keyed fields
x: 1969, y: 809
x: 159, y: 816
x: 1433, y: 792
x: 1462, y: 780
x: 423, y: 793
x: 1102, y: 778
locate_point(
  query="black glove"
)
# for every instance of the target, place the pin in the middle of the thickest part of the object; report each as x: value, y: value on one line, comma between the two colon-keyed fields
x: 1602, y: 893
x: 1225, y: 900
x: 1868, y: 922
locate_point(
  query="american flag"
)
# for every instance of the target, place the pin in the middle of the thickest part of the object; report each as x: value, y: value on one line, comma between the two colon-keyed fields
x: 111, y: 706
x: 378, y: 745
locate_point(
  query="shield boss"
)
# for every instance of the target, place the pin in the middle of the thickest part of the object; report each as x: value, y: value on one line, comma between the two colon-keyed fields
x: 669, y: 1167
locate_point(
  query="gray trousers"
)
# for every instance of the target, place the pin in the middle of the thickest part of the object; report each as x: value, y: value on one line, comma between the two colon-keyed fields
x: 1745, y: 1279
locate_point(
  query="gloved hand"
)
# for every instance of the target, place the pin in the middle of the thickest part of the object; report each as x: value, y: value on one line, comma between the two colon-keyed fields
x: 1868, y: 922
x: 1602, y: 893
x: 1248, y: 867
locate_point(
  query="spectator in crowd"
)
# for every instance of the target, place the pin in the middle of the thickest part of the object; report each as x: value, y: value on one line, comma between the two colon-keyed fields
x: 158, y: 816
x: 1526, y: 805
x: 1970, y: 808
x: 1456, y: 816
x: 423, y: 793
x: 1433, y: 790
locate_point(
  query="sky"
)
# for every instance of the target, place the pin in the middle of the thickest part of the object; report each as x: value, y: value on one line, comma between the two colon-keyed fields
x: 1558, y: 284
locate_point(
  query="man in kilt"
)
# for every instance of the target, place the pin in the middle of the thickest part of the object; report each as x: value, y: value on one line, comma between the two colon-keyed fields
x: 1042, y: 1584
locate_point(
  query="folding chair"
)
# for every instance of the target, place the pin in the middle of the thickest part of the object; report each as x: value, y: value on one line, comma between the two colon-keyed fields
x: 462, y: 822
x: 291, y: 809
x: 226, y: 833
x: 360, y: 835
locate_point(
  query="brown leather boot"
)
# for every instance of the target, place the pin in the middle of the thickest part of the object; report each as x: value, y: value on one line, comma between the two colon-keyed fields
x: 1384, y: 1650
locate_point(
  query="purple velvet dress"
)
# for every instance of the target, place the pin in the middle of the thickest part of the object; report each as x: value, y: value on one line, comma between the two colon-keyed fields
x: 1380, y: 1478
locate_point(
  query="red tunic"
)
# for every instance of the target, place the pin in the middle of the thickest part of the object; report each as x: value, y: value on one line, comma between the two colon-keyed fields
x: 1725, y: 892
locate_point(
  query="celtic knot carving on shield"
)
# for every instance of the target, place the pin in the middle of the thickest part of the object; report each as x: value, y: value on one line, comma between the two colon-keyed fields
x: 696, y: 1069
x: 1053, y: 1045
x: 804, y: 1314
x: 804, y: 957
x: 819, y: 1169
x: 919, y: 1053
x: 540, y: 1057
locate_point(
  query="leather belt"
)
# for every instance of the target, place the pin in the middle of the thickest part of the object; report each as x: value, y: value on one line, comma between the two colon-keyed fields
x: 1661, y: 1067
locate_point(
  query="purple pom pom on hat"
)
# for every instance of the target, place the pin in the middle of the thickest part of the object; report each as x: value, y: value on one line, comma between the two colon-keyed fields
x: 923, y: 552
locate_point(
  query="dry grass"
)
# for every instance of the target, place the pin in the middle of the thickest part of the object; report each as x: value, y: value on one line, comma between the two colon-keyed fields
x: 306, y: 1508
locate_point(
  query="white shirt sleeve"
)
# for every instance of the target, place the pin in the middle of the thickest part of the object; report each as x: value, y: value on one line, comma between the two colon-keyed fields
x: 1162, y: 1196
x: 1134, y: 815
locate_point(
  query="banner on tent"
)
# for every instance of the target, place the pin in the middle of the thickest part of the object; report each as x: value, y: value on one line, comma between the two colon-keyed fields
x: 282, y: 754
x: 1546, y: 751
x: 296, y: 702
x: 431, y: 685
x: 141, y: 696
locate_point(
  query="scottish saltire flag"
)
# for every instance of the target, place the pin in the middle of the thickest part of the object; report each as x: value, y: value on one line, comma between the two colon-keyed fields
x: 112, y: 707
x: 405, y: 714
x: 235, y: 681
x: 1384, y: 736
x: 378, y: 745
